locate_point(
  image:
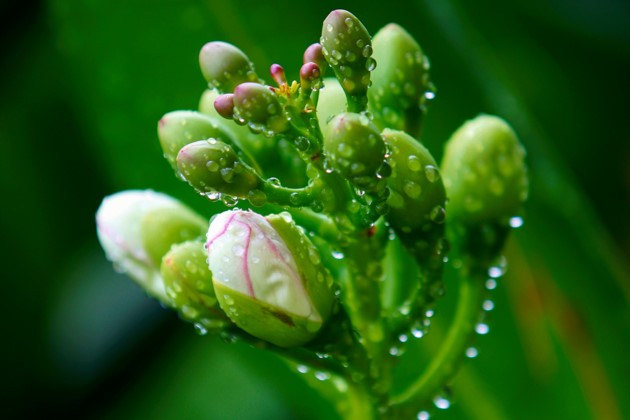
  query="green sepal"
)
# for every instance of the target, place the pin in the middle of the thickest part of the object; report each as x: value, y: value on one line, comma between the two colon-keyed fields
x: 355, y: 148
x: 400, y: 84
x: 188, y: 285
x: 316, y: 277
x: 211, y: 166
x: 163, y: 227
x: 484, y: 172
x: 347, y: 47
x: 224, y: 66
x: 417, y: 191
x: 179, y: 128
x: 265, y: 321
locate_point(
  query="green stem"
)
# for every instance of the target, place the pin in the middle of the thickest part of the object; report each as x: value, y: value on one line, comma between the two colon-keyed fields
x: 295, y: 197
x: 446, y: 361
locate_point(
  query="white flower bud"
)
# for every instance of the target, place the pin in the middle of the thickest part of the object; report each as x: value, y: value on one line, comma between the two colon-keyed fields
x: 136, y: 228
x: 268, y: 276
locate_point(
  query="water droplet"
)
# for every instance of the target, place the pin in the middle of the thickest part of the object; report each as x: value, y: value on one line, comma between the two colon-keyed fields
x: 438, y: 214
x: 429, y: 96
x: 498, y: 268
x: 482, y: 329
x: 429, y: 313
x: 329, y: 27
x: 417, y: 332
x: 370, y: 64
x: 516, y: 222
x: 367, y: 51
x: 412, y: 189
x: 432, y: 173
x: 229, y: 200
x: 322, y: 376
x: 423, y: 415
x: 213, y: 195
x: 394, y: 351
x: 403, y: 338
x: 338, y: 255
x: 200, y: 329
x: 274, y: 181
x: 487, y: 305
x: 491, y: 284
x: 441, y: 402
x: 302, y: 369
x: 413, y: 163
x: 472, y: 352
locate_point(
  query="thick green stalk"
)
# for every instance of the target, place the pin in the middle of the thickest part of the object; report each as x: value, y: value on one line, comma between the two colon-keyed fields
x: 445, y: 362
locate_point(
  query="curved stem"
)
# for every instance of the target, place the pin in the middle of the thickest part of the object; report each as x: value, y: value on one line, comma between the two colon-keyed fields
x: 298, y: 197
x: 444, y: 364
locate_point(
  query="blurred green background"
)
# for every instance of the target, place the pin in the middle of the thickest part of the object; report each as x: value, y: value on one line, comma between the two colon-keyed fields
x: 83, y: 85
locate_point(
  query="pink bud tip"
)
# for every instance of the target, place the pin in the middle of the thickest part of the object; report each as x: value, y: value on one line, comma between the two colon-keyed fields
x: 224, y: 105
x: 277, y: 73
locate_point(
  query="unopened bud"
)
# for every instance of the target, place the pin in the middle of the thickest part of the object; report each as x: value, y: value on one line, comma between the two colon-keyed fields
x: 417, y: 193
x: 484, y: 172
x: 355, y: 148
x: 347, y: 47
x: 179, y: 128
x: 224, y: 105
x: 224, y: 66
x: 259, y: 107
x: 268, y: 277
x: 188, y: 284
x: 211, y: 166
x: 400, y: 84
x: 136, y: 228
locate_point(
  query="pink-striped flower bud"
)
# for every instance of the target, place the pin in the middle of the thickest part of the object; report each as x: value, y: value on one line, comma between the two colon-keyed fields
x: 268, y: 276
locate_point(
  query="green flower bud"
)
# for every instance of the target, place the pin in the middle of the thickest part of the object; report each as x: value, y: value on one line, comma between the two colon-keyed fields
x: 417, y: 193
x: 258, y: 106
x: 400, y: 84
x: 347, y: 47
x: 179, y: 128
x: 211, y: 167
x: 355, y: 148
x: 268, y: 277
x: 188, y: 285
x: 224, y: 66
x: 135, y: 228
x: 332, y: 101
x: 484, y: 172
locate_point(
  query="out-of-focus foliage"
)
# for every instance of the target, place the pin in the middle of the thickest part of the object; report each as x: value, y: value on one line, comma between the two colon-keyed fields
x: 83, y: 86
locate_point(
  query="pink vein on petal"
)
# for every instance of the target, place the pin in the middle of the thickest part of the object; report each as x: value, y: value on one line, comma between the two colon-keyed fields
x: 225, y: 228
x: 248, y: 280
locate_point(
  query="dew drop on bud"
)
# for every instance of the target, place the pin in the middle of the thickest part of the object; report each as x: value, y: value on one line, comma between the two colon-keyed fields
x: 441, y: 402
x: 482, y: 329
x: 423, y: 415
x: 472, y: 352
x: 200, y: 329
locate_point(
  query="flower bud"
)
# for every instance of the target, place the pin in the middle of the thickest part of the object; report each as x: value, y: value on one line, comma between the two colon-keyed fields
x: 179, y: 128
x: 417, y: 192
x: 136, y: 228
x: 268, y: 277
x: 188, y: 285
x: 355, y: 148
x: 211, y: 166
x: 400, y: 84
x: 347, y: 47
x: 224, y: 105
x: 332, y: 101
x: 224, y: 66
x: 258, y: 106
x: 314, y: 54
x: 484, y: 172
